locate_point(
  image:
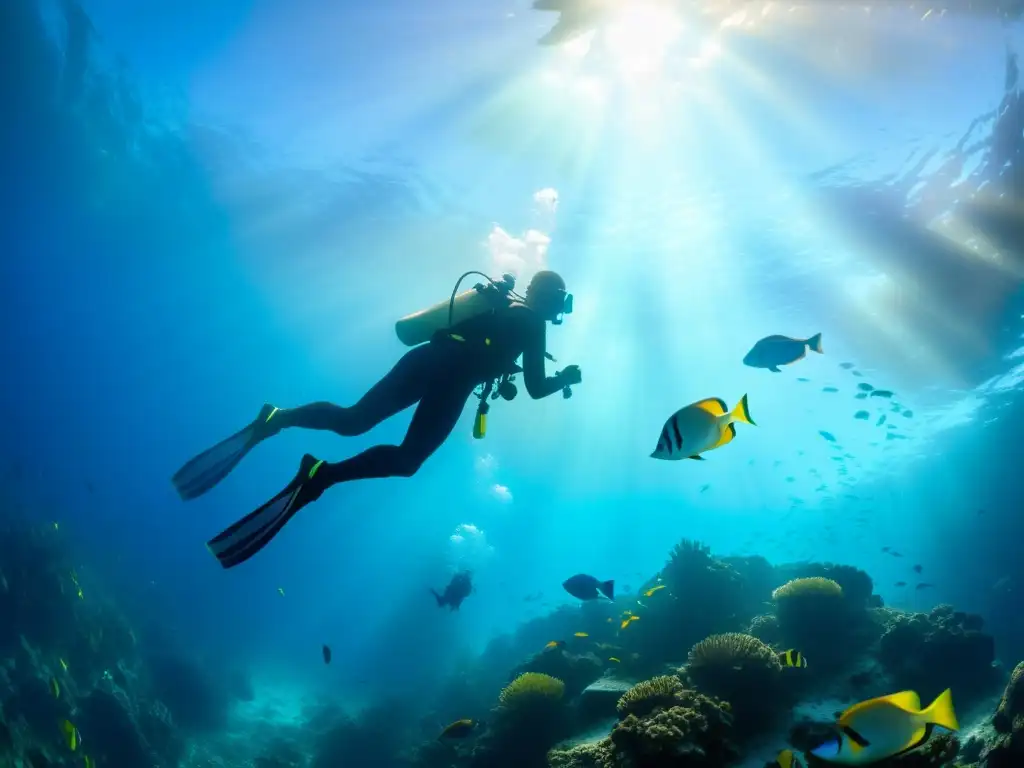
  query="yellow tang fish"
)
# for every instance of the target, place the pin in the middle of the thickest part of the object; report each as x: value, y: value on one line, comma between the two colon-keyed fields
x: 792, y: 658
x: 554, y: 644
x: 459, y: 729
x: 71, y: 735
x: 652, y: 590
x: 787, y: 759
x: 890, y: 725
x: 627, y: 622
x: 699, y: 427
x: 581, y: 634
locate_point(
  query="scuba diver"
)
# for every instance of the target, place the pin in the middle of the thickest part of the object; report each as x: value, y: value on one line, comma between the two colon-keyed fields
x: 471, y: 340
x: 458, y: 589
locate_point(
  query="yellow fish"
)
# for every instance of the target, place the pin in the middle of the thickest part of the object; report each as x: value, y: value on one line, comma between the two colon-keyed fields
x: 554, y: 644
x: 612, y: 658
x: 787, y: 759
x: 71, y: 735
x: 55, y: 687
x: 581, y: 634
x: 881, y: 728
x: 627, y: 622
x: 81, y: 596
x: 699, y: 427
x: 64, y: 664
x: 792, y: 658
x: 652, y: 590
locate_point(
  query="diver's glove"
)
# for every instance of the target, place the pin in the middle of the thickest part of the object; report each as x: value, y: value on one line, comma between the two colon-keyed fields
x: 570, y: 376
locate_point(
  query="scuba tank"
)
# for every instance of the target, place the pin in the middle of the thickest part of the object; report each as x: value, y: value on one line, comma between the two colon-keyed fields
x: 419, y: 327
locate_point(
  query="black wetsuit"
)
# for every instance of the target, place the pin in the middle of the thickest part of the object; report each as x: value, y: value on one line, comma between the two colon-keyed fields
x: 440, y: 375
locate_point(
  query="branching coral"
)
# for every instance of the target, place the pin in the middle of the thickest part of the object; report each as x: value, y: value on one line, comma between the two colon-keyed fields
x: 692, y: 734
x: 597, y: 755
x: 643, y: 698
x: 765, y: 628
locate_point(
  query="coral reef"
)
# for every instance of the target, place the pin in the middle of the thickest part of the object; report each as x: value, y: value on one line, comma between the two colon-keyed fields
x: 743, y: 671
x: 649, y: 695
x: 915, y: 645
x: 816, y: 618
x: 575, y: 670
x: 1007, y: 748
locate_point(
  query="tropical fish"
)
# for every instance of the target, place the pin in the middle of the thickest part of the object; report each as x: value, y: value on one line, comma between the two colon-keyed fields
x: 326, y: 650
x: 699, y: 427
x: 861, y: 396
x: 830, y: 390
x: 55, y: 687
x: 865, y: 387
x: 458, y: 589
x: 64, y: 664
x: 773, y: 351
x: 627, y: 621
x: 581, y: 634
x: 787, y: 759
x: 882, y: 393
x: 792, y: 658
x: 460, y: 729
x: 553, y: 644
x: 71, y: 735
x: 827, y: 435
x: 585, y: 587
x: 612, y: 658
x: 652, y: 590
x: 881, y: 728
x: 862, y: 415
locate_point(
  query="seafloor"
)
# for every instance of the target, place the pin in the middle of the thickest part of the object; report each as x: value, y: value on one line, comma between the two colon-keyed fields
x: 696, y: 681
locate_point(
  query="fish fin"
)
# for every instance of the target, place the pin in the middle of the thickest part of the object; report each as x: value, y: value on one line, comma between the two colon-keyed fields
x: 696, y: 457
x: 742, y: 412
x: 713, y: 405
x: 815, y: 343
x: 440, y: 600
x: 727, y: 435
x: 607, y: 588
x: 774, y: 369
x: 940, y: 712
x: 905, y: 700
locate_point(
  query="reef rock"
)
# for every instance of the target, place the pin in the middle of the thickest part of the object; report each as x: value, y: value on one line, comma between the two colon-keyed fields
x: 1008, y: 749
x: 600, y: 699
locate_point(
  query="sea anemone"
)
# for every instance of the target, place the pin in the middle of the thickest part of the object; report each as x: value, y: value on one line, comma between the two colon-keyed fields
x: 815, y: 586
x: 530, y: 689
x: 656, y: 693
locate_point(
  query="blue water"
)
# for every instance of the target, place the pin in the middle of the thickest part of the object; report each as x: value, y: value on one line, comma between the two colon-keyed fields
x: 232, y: 203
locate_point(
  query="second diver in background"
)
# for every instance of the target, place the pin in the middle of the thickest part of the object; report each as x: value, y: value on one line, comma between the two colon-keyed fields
x: 458, y: 589
x: 457, y: 346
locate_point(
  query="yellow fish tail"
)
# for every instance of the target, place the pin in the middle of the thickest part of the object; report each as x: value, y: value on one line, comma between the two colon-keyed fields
x: 815, y: 343
x: 940, y: 712
x: 742, y: 412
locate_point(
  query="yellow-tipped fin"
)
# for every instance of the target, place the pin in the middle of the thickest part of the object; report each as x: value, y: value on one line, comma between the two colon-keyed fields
x: 940, y: 712
x: 742, y: 412
x: 713, y: 405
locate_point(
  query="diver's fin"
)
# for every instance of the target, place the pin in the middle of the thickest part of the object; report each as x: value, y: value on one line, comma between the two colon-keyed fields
x: 253, y: 532
x: 214, y: 464
x: 440, y: 600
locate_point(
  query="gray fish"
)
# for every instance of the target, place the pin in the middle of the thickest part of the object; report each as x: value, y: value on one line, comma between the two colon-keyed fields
x: 585, y: 587
x: 773, y: 351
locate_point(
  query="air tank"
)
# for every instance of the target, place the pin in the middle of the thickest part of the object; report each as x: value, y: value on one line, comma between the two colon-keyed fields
x: 421, y: 326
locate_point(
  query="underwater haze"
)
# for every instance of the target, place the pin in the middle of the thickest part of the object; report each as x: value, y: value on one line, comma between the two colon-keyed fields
x: 211, y: 206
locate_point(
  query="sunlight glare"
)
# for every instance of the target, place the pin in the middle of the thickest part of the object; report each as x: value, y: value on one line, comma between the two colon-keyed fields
x: 639, y: 37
